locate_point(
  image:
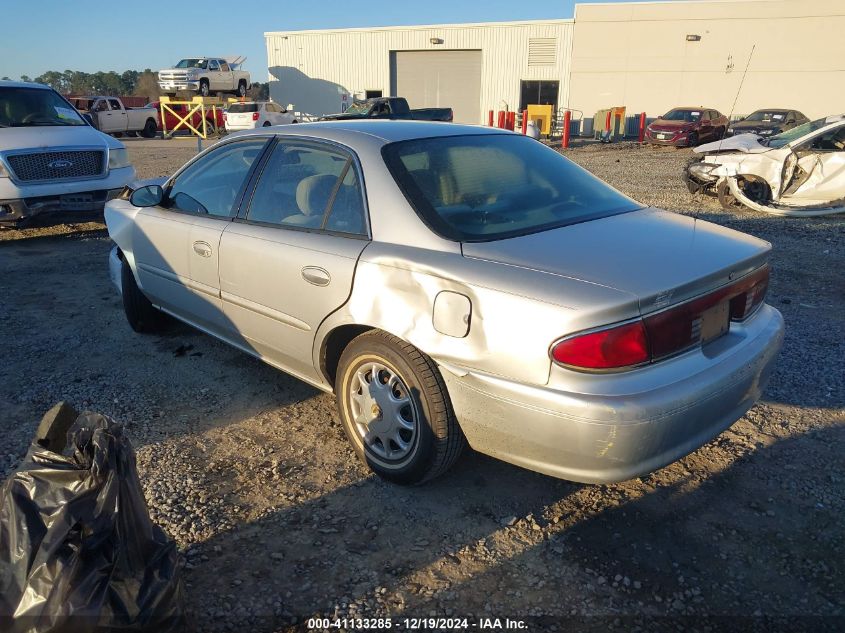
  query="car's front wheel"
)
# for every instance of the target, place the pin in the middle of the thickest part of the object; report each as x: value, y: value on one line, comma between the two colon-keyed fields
x: 395, y: 409
x: 141, y: 314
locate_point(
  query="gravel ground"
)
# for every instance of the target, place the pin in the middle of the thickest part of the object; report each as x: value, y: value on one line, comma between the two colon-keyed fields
x: 249, y: 471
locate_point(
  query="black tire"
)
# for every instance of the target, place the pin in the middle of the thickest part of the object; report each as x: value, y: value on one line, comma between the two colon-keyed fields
x: 266, y: 124
x: 204, y: 88
x: 692, y: 140
x: 437, y: 440
x: 726, y: 198
x: 210, y: 128
x: 294, y: 121
x: 720, y: 133
x: 241, y: 88
x: 140, y: 313
x: 150, y: 129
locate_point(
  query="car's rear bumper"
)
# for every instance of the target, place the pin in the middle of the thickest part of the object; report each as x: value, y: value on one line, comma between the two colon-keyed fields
x: 239, y: 127
x: 602, y: 436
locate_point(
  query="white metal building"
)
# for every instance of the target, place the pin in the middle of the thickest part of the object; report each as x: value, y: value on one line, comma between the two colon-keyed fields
x: 647, y: 56
x: 471, y: 68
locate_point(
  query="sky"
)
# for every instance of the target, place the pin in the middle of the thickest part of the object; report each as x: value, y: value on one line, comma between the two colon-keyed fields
x: 37, y: 36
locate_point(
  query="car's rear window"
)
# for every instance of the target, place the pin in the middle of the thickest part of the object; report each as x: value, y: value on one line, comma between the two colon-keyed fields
x: 235, y: 108
x: 479, y: 188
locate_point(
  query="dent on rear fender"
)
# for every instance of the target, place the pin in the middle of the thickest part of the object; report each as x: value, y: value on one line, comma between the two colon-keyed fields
x: 510, y: 330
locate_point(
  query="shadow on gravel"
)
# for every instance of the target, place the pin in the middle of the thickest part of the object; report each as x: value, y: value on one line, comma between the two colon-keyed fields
x: 761, y: 538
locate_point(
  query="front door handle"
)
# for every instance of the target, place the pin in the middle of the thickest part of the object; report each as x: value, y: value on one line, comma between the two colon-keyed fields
x: 203, y: 249
x: 316, y: 275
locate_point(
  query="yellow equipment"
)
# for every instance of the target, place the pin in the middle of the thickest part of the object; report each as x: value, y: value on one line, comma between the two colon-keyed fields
x: 542, y: 116
x: 196, y: 104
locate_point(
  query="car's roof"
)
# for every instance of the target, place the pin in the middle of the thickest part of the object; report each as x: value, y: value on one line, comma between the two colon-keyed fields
x: 388, y: 130
x: 22, y: 84
x: 772, y: 110
x: 691, y: 108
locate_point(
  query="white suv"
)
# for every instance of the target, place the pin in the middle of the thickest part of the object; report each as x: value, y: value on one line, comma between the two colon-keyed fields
x: 252, y: 114
x: 51, y: 159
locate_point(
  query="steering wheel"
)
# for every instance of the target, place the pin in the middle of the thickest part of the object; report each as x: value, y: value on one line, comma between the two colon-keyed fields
x: 33, y: 116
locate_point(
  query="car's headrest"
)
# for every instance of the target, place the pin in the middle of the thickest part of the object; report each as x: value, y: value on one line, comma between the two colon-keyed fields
x: 312, y: 193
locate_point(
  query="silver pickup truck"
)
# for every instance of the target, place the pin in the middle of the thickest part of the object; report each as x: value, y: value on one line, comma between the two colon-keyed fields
x: 51, y: 159
x: 205, y: 76
x: 109, y: 115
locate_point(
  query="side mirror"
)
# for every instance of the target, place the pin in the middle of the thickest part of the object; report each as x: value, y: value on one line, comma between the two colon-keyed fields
x: 148, y: 196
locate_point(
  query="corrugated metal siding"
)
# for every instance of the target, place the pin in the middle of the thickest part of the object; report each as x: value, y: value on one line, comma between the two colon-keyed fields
x: 319, y: 66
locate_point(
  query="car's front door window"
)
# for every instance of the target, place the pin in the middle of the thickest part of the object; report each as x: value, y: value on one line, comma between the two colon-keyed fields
x: 212, y: 184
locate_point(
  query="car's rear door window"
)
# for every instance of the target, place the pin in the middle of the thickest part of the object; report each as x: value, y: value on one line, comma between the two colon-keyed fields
x: 305, y: 185
x: 493, y: 186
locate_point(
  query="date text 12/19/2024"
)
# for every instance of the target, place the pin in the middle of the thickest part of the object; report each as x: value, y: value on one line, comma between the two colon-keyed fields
x: 416, y: 624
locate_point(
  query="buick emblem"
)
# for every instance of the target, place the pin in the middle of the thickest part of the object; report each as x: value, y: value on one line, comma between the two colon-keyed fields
x: 60, y: 164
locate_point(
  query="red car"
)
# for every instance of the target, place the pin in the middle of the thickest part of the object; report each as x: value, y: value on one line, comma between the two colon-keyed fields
x: 196, y: 118
x: 687, y: 127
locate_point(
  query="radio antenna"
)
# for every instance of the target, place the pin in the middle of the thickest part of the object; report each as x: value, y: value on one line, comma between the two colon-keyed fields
x: 738, y: 90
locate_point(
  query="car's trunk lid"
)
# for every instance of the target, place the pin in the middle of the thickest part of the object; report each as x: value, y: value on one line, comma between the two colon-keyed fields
x: 663, y: 258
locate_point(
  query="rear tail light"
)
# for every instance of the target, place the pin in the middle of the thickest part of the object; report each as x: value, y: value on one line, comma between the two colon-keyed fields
x: 665, y: 333
x: 613, y: 348
x: 255, y: 116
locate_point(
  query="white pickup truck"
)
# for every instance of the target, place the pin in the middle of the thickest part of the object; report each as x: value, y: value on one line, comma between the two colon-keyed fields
x: 51, y: 159
x: 205, y: 76
x: 109, y: 115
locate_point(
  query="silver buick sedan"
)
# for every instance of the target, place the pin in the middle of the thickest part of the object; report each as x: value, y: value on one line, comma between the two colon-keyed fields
x: 456, y: 284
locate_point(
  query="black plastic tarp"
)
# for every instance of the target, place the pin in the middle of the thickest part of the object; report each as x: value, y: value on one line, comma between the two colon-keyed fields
x: 78, y: 551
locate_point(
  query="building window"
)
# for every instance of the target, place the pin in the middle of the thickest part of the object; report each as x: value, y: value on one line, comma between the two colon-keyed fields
x: 538, y: 93
x: 372, y: 94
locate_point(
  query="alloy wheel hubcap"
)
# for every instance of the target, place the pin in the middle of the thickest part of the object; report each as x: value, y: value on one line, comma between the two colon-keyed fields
x: 383, y: 412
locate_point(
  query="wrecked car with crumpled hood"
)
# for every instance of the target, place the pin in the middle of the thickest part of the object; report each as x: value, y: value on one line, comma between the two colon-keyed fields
x: 800, y: 172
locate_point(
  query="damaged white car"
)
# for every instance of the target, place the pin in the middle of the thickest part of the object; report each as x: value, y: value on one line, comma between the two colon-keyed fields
x: 800, y: 172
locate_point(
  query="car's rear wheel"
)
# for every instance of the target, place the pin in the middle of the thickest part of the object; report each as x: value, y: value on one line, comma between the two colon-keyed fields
x: 150, y: 128
x: 266, y: 124
x: 395, y: 409
x: 141, y: 314
x: 241, y: 88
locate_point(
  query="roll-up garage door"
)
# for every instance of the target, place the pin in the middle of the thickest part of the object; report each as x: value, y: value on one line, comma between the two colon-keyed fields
x: 439, y: 79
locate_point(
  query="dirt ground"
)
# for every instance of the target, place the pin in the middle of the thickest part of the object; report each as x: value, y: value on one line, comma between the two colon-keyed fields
x: 249, y: 471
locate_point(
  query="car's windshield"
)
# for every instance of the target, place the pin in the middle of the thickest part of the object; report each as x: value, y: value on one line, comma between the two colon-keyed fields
x: 767, y: 115
x: 488, y: 187
x: 235, y: 108
x: 784, y: 138
x: 192, y: 63
x: 359, y: 107
x: 682, y: 115
x: 22, y: 107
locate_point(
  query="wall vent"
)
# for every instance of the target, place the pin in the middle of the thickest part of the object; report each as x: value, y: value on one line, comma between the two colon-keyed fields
x: 542, y: 51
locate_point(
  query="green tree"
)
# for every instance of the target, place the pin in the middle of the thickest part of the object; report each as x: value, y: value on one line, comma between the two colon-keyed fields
x: 147, y: 85
x: 53, y: 79
x: 25, y: 78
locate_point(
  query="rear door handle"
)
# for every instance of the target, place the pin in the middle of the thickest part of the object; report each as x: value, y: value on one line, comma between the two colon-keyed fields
x: 203, y: 249
x: 316, y: 275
